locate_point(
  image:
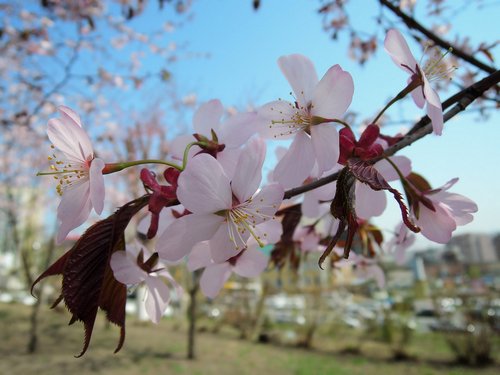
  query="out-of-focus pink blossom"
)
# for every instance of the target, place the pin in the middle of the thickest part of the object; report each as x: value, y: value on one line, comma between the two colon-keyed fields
x: 402, y: 240
x: 250, y: 262
x: 136, y: 266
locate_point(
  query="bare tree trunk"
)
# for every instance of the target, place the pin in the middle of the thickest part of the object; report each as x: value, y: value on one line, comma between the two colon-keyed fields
x: 33, y: 333
x: 259, y: 311
x: 193, y: 290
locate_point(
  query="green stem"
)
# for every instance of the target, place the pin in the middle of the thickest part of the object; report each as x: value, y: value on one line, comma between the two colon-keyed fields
x: 116, y: 167
x: 411, y: 86
x: 186, y: 153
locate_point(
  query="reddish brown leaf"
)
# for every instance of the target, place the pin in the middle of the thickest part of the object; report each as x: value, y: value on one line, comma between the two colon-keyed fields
x: 88, y: 282
x: 368, y: 174
x: 342, y: 208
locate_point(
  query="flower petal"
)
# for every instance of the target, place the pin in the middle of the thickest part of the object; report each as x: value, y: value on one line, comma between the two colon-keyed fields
x: 369, y: 202
x: 297, y: 163
x: 269, y: 232
x: 68, y: 136
x: 157, y: 299
x: 213, y: 279
x: 275, y: 117
x: 300, y: 73
x: 125, y: 268
x: 207, y: 117
x: 434, y: 109
x: 251, y: 263
x: 203, y: 186
x: 266, y: 202
x: 73, y: 209
x: 222, y: 247
x: 228, y: 159
x: 387, y: 170
x: 325, y: 140
x: 180, y: 236
x: 400, y: 53
x: 333, y: 94
x: 96, y: 181
x: 461, y: 207
x: 436, y: 225
x: 200, y: 256
x: 248, y: 173
x: 239, y: 128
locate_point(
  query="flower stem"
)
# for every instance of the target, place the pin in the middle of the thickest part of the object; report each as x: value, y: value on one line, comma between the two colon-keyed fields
x: 186, y: 153
x: 116, y: 167
x: 415, y: 82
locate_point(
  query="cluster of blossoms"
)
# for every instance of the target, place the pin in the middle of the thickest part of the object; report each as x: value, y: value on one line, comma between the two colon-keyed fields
x: 210, y: 206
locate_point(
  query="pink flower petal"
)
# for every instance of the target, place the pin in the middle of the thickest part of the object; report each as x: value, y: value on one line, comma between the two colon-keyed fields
x: 461, y: 207
x: 333, y: 94
x: 251, y: 263
x: 71, y: 139
x: 300, y: 73
x: 96, y: 181
x: 434, y: 109
x: 239, y: 128
x: 207, y: 117
x: 279, y: 110
x: 325, y: 140
x: 297, y: 163
x: 387, y: 170
x: 68, y: 115
x: 74, y: 209
x: 266, y: 202
x: 400, y: 53
x: 213, y: 279
x: 203, y: 186
x: 418, y: 96
x: 436, y: 225
x: 248, y: 173
x: 180, y: 236
x: 369, y: 203
x: 157, y: 299
x: 222, y: 247
x: 200, y: 256
x: 125, y: 268
x: 269, y: 231
x: 228, y: 159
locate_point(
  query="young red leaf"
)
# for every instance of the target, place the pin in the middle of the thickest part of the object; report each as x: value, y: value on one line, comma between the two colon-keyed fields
x: 88, y: 282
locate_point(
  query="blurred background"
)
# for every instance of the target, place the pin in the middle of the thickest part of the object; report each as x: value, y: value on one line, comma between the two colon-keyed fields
x: 135, y: 70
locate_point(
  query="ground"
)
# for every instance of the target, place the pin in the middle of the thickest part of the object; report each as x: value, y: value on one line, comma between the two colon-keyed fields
x: 160, y: 349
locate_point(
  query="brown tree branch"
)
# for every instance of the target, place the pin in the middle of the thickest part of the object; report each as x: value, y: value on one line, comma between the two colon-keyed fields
x: 423, y: 127
x: 413, y: 24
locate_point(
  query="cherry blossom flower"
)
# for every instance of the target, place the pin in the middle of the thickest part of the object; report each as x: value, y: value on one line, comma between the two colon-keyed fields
x: 79, y: 173
x: 364, y: 268
x: 309, y: 119
x: 438, y: 212
x: 222, y: 138
x: 225, y: 211
x: 130, y: 268
x: 250, y: 262
x: 434, y: 69
x: 402, y: 240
